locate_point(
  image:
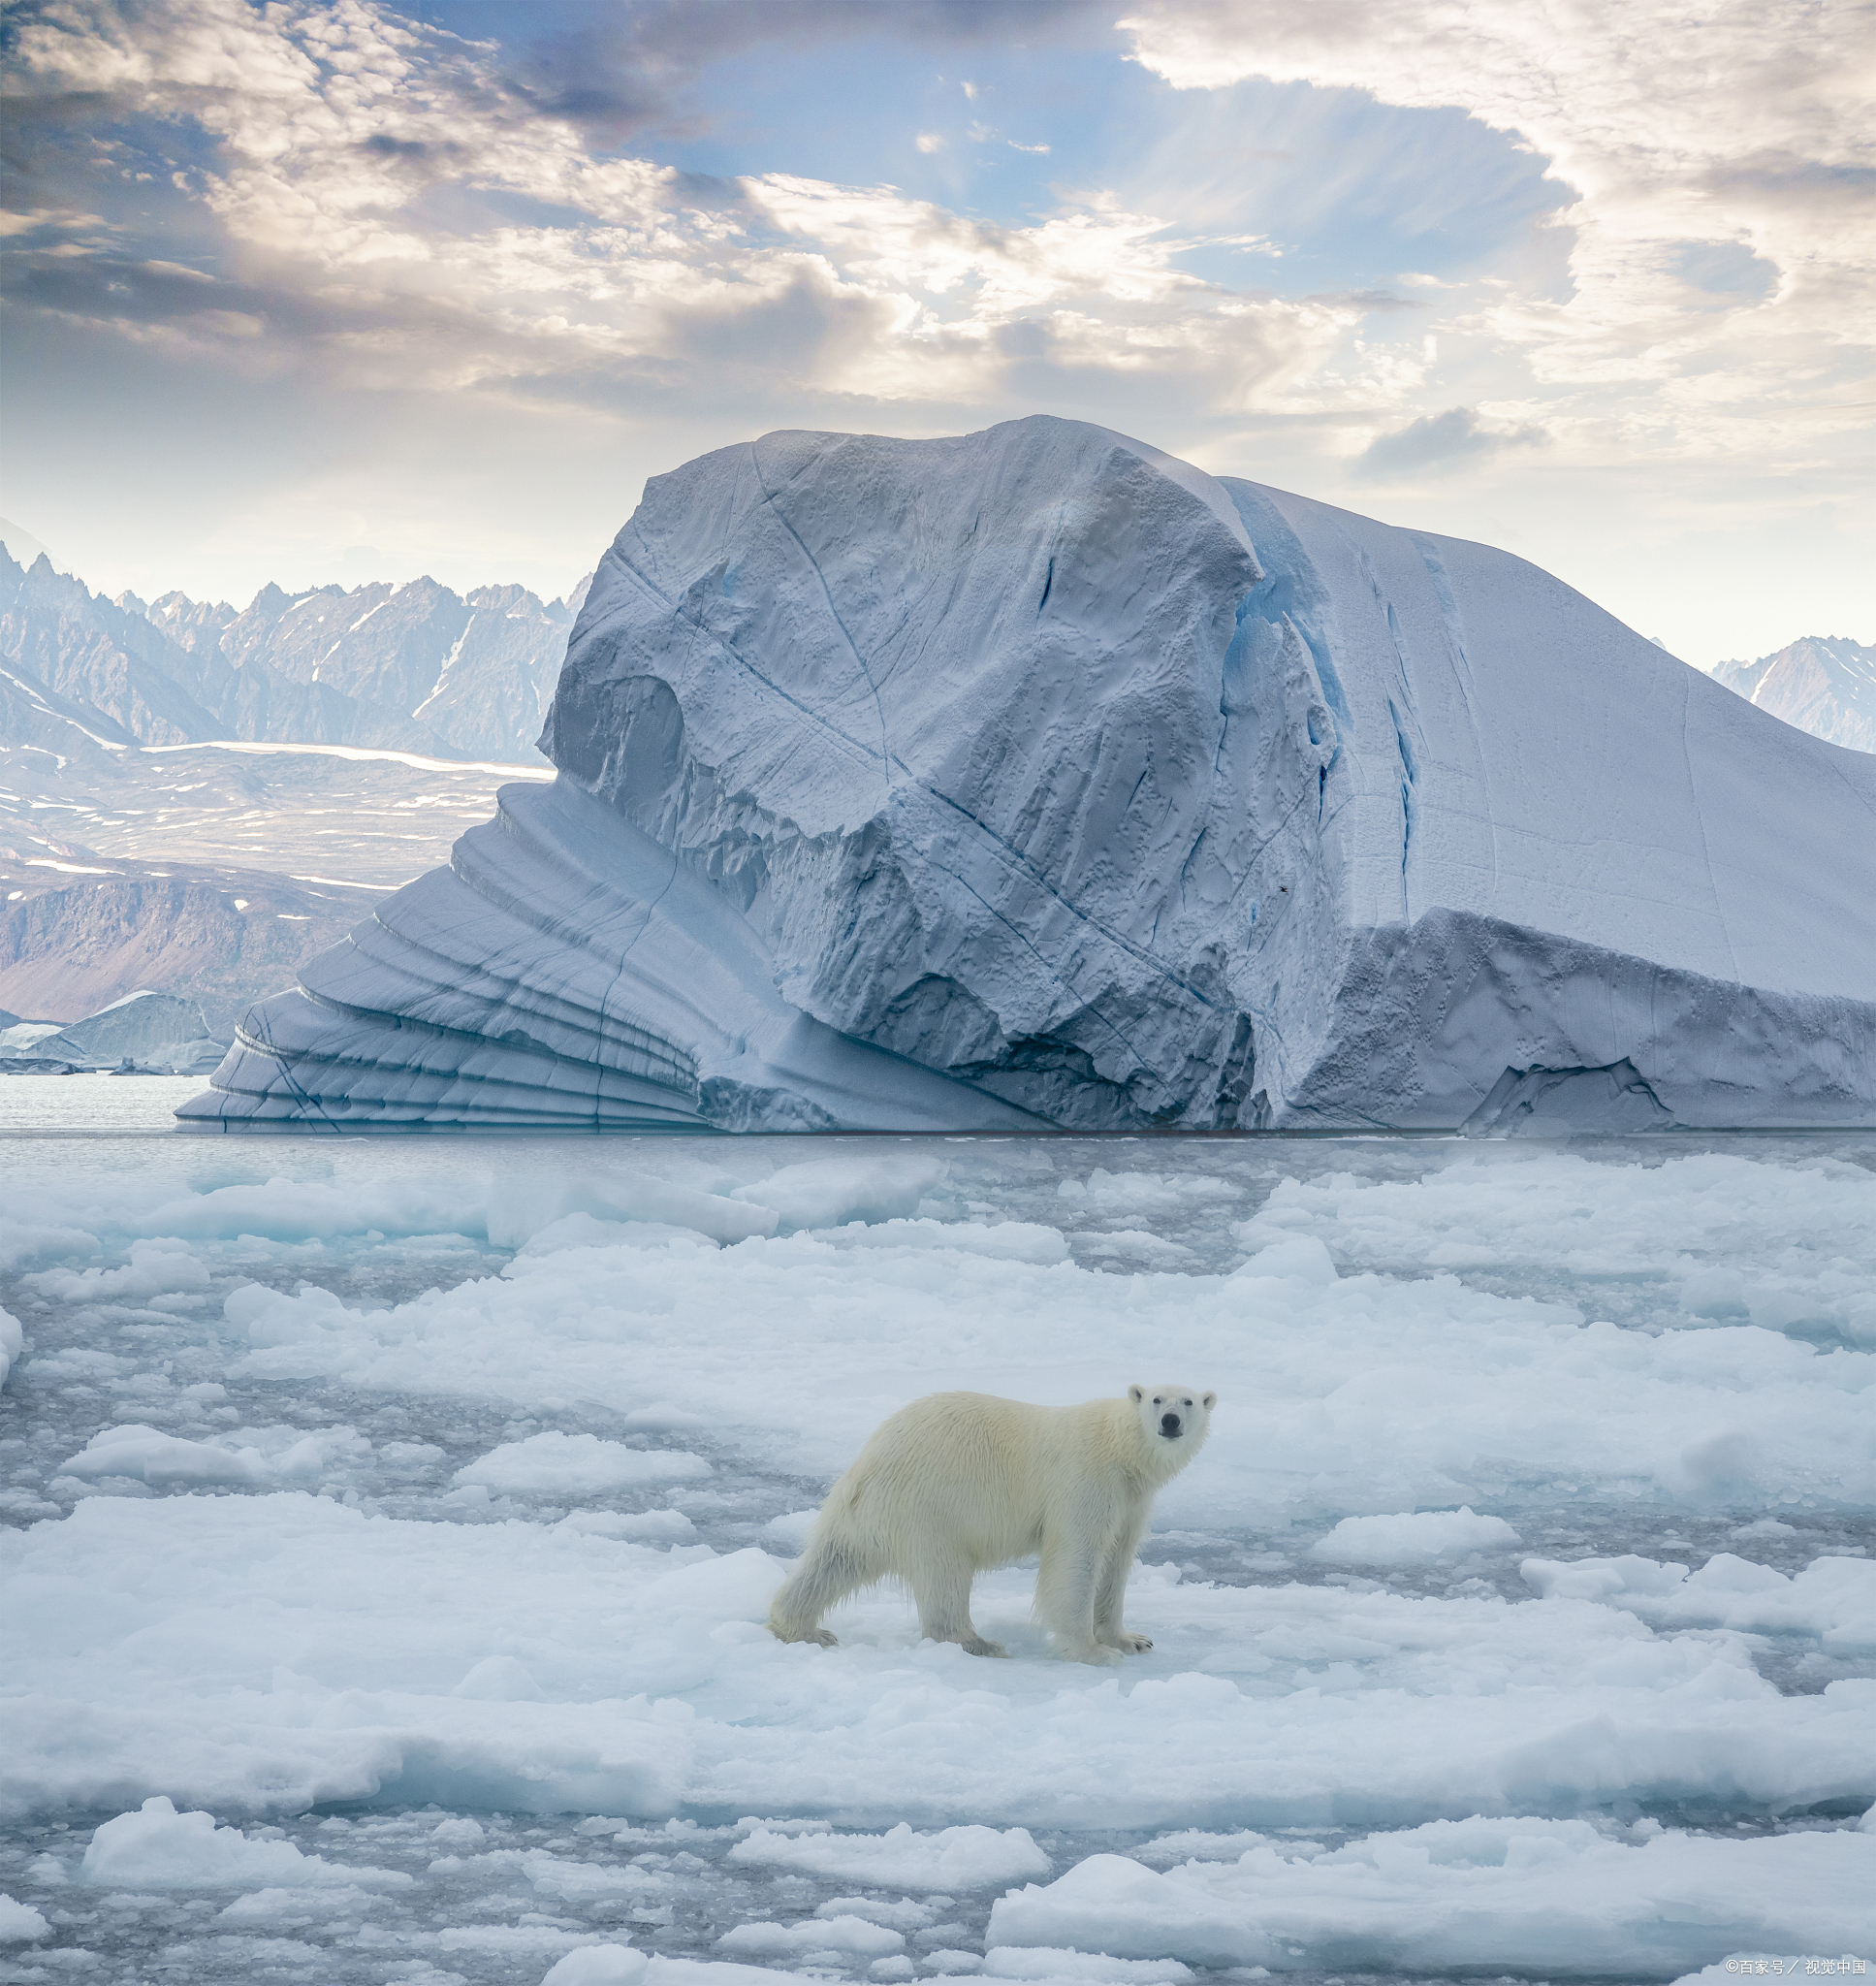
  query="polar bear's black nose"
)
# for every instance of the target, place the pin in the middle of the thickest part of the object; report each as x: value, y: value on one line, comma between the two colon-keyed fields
x: 1169, y: 1425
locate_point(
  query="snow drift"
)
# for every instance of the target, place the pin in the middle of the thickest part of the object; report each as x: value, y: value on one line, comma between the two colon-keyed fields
x: 1035, y: 778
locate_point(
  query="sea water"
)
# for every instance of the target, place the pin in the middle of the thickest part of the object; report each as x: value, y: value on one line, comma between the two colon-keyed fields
x: 392, y: 1523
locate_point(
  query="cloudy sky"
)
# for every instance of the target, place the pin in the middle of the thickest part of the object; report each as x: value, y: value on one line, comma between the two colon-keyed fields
x: 349, y: 290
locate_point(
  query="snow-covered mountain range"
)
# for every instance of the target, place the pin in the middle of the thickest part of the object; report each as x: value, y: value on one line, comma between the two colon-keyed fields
x: 211, y: 872
x: 413, y: 669
x: 1826, y: 686
x: 1034, y: 778
x: 195, y: 798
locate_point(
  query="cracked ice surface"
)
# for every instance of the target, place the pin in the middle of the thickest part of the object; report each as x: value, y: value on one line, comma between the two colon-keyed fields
x: 1035, y: 778
x: 392, y: 1527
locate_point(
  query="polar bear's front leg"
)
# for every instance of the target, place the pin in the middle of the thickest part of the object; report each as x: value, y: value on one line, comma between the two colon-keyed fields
x: 1065, y: 1585
x: 1110, y: 1595
x: 941, y: 1588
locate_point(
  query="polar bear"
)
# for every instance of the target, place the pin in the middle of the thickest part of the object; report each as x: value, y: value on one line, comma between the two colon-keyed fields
x: 958, y: 1482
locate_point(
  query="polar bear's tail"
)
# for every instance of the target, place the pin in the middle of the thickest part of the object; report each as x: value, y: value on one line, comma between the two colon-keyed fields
x: 827, y: 1571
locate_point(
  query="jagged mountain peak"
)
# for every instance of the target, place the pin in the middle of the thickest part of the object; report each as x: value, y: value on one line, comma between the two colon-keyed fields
x: 407, y: 664
x: 1824, y: 684
x: 272, y: 600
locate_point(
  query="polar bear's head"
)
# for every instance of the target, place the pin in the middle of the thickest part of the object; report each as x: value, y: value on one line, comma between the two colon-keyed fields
x: 1172, y: 1417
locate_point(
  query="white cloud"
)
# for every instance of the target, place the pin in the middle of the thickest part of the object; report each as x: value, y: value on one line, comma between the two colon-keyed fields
x: 1442, y: 441
x: 385, y: 206
x: 1746, y: 128
x: 381, y: 183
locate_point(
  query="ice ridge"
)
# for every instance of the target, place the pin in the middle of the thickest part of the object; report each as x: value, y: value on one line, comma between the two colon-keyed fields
x: 1033, y: 777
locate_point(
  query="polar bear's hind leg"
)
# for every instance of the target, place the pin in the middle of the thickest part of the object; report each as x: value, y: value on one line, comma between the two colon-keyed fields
x: 829, y: 1570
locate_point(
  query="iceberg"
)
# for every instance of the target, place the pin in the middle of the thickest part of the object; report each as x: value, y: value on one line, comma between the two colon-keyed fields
x: 155, y: 1033
x: 1036, y: 779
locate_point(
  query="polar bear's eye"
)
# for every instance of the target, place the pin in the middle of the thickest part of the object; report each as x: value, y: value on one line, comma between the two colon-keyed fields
x: 1158, y: 1401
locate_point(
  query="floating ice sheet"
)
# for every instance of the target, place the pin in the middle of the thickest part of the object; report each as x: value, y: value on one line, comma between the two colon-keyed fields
x: 250, y: 1565
x: 1416, y: 1538
x: 529, y: 1667
x: 953, y: 1858
x: 574, y: 1464
x: 157, y: 1847
x: 1556, y: 1896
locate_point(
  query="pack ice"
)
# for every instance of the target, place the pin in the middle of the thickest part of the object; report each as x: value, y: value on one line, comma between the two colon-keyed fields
x: 1034, y: 777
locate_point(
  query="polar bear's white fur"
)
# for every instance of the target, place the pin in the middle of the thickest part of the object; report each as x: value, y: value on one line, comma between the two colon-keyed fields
x: 960, y: 1482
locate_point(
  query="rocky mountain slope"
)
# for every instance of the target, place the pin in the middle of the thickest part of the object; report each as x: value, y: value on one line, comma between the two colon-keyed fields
x: 1824, y: 685
x: 211, y: 872
x: 352, y: 731
x: 415, y: 667
x: 80, y: 929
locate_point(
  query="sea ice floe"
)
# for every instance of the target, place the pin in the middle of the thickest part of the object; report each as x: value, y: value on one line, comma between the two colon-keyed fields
x: 159, y: 1268
x: 1416, y: 1538
x: 952, y: 1859
x: 246, y: 1458
x: 20, y: 1923
x: 560, y: 1876
x: 1710, y: 1238
x: 158, y: 1847
x: 651, y: 1687
x: 1001, y: 1241
x: 1137, y: 1194
x: 1831, y: 1600
x: 1096, y: 1968
x: 789, y: 1531
x: 1297, y: 1258
x: 823, y: 1192
x: 560, y: 1465
x: 1200, y: 1844
x: 516, y: 1943
x: 293, y: 1908
x: 815, y: 1934
x: 901, y: 1914
x: 200, y: 1615
x: 641, y: 1526
x: 618, y: 1965
x: 599, y: 1965
x: 1556, y: 1895
x: 1361, y: 1394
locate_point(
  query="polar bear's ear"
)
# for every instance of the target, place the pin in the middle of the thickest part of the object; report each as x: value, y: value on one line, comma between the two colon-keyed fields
x: 1211, y: 1400
x: 1137, y: 1394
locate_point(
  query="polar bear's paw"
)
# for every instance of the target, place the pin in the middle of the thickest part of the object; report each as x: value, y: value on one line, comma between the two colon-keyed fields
x: 977, y: 1644
x: 1127, y: 1644
x: 816, y: 1637
x: 1089, y: 1652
